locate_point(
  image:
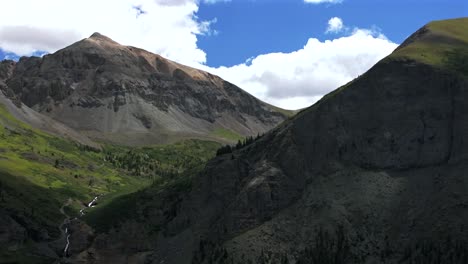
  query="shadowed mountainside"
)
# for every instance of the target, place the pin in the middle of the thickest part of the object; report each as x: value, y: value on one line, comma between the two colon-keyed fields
x: 372, y: 173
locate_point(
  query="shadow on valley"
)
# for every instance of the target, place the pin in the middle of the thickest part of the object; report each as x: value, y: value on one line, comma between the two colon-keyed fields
x: 28, y: 214
x: 334, y: 248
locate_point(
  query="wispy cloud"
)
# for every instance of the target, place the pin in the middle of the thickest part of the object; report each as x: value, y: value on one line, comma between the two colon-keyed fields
x: 206, y: 27
x: 323, y: 1
x: 215, y: 1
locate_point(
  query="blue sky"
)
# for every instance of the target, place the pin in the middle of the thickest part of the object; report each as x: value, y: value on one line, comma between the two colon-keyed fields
x: 286, y: 52
x: 248, y: 27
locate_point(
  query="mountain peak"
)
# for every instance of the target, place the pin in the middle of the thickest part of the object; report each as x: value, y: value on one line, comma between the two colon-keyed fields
x: 96, y: 35
x: 136, y: 91
x: 99, y: 36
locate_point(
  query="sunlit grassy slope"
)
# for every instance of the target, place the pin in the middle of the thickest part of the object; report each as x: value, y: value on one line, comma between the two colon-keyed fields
x: 169, y: 167
x: 59, y: 168
x: 39, y: 172
x: 440, y: 43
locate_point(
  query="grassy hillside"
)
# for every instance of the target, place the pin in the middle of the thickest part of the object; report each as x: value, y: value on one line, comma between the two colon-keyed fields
x: 40, y: 172
x: 440, y: 43
x: 161, y: 165
x: 227, y: 134
x: 62, y: 168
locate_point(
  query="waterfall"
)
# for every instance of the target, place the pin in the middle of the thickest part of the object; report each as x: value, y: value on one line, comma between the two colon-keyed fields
x: 65, y: 251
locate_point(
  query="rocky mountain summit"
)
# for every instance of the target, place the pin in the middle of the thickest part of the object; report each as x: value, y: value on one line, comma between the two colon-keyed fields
x: 127, y: 95
x: 375, y: 172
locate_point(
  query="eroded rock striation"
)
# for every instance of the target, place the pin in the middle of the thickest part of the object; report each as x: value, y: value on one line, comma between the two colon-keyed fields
x: 128, y: 95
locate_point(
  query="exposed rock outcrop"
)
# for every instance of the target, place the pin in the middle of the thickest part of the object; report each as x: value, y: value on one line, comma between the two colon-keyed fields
x: 128, y: 95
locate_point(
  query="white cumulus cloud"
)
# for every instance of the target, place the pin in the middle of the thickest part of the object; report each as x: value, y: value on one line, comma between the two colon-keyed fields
x: 335, y: 25
x: 300, y: 78
x: 167, y: 27
x: 170, y: 28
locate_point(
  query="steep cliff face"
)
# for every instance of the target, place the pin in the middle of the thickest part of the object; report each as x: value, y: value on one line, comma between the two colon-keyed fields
x: 378, y: 166
x: 11, y: 101
x: 128, y: 95
x: 6, y: 71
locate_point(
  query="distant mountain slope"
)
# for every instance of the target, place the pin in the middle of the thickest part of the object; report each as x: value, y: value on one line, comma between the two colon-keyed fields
x: 375, y: 172
x: 128, y: 95
x: 27, y: 115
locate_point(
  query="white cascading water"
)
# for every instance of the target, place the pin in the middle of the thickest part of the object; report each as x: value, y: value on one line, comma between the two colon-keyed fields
x: 90, y: 204
x: 65, y: 251
x: 93, y: 201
